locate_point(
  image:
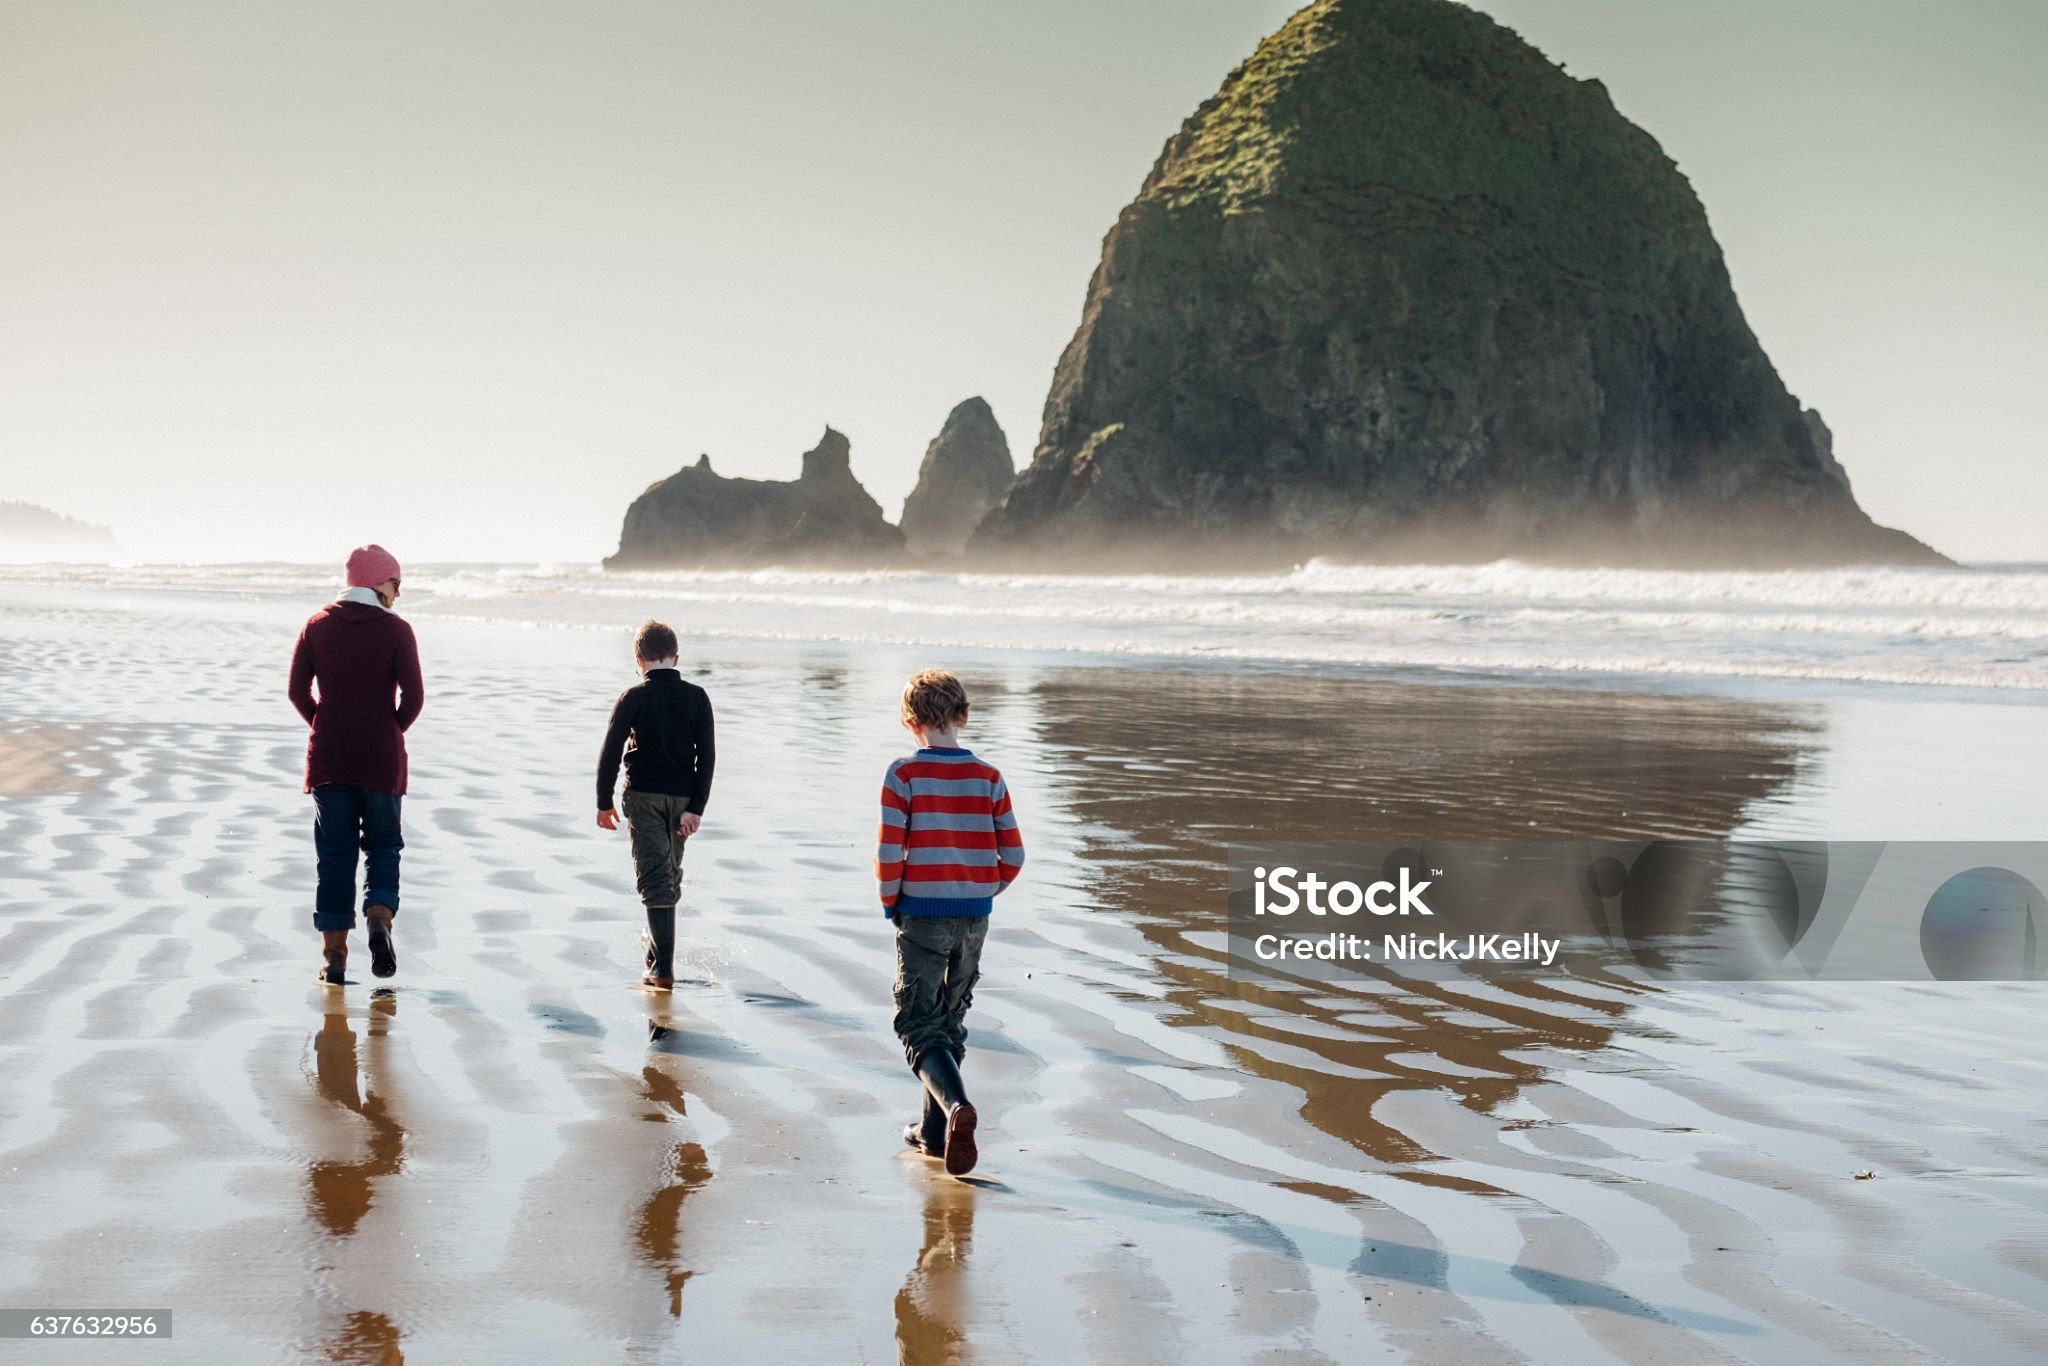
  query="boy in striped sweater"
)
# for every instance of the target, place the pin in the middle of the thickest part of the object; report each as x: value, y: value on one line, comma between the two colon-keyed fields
x: 948, y: 845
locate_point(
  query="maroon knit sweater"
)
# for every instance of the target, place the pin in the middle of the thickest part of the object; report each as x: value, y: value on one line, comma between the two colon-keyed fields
x: 360, y: 655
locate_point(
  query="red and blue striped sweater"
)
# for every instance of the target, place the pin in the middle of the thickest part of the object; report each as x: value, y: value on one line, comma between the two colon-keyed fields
x: 948, y: 840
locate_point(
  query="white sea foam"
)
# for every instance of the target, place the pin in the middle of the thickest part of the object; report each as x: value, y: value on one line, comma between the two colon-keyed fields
x: 1984, y: 627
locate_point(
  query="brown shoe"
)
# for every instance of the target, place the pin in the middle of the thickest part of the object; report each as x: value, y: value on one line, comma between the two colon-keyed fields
x: 383, y: 957
x: 664, y: 983
x: 334, y: 947
x: 913, y: 1139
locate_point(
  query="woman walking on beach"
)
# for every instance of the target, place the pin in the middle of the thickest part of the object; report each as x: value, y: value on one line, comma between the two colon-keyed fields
x: 362, y: 655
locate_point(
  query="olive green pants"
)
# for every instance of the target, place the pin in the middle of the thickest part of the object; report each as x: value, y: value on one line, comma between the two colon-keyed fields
x: 657, y: 849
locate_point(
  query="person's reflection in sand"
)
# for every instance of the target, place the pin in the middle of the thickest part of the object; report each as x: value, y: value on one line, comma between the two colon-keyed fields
x: 658, y: 1230
x: 932, y: 1305
x: 369, y: 1339
x: 341, y: 1193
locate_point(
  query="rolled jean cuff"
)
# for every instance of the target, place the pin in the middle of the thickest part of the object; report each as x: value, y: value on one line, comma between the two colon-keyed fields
x: 380, y: 899
x: 333, y: 920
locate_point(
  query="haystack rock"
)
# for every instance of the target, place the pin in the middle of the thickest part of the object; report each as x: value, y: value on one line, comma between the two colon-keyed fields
x: 1403, y: 289
x: 697, y: 518
x: 966, y: 471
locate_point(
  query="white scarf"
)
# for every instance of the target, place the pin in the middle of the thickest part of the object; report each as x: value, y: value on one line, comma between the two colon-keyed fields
x: 368, y: 595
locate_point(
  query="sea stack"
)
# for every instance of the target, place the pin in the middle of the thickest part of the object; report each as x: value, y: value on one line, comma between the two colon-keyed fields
x: 697, y: 518
x: 966, y: 471
x: 1403, y: 289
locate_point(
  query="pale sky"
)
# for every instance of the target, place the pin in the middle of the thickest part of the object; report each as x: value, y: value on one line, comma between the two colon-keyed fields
x: 464, y: 278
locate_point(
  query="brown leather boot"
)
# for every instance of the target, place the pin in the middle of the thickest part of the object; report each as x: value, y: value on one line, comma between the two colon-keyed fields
x: 334, y: 944
x: 383, y: 955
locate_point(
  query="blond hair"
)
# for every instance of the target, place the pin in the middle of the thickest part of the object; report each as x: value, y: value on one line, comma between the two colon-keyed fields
x: 934, y: 697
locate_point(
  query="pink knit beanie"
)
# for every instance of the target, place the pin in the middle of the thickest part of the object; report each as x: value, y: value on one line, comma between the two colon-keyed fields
x: 370, y: 565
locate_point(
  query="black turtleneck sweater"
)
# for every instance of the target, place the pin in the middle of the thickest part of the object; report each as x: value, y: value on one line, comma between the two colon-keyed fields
x: 663, y: 727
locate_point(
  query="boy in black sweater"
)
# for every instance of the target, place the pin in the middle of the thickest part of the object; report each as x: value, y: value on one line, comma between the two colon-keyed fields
x: 663, y: 728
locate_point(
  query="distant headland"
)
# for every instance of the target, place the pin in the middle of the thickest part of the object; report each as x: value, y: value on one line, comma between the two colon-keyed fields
x: 29, y: 534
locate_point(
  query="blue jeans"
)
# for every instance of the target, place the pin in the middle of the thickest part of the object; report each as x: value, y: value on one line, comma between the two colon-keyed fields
x: 346, y: 818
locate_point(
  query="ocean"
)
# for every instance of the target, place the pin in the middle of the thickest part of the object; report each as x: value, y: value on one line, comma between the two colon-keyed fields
x: 1984, y: 627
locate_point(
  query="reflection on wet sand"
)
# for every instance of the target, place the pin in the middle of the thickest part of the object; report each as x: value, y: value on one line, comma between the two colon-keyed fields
x: 658, y: 1229
x: 367, y: 1340
x: 1167, y: 771
x: 933, y: 1303
x: 340, y: 1193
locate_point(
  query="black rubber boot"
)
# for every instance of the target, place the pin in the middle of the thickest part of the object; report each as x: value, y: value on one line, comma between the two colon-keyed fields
x: 941, y: 1078
x: 928, y: 1135
x: 660, y: 940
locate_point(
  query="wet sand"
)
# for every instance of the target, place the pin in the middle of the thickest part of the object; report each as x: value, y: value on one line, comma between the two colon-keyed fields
x: 511, y: 1152
x: 38, y: 759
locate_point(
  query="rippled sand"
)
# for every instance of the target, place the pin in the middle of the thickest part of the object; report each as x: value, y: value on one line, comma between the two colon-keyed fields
x: 511, y: 1152
x: 39, y: 759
